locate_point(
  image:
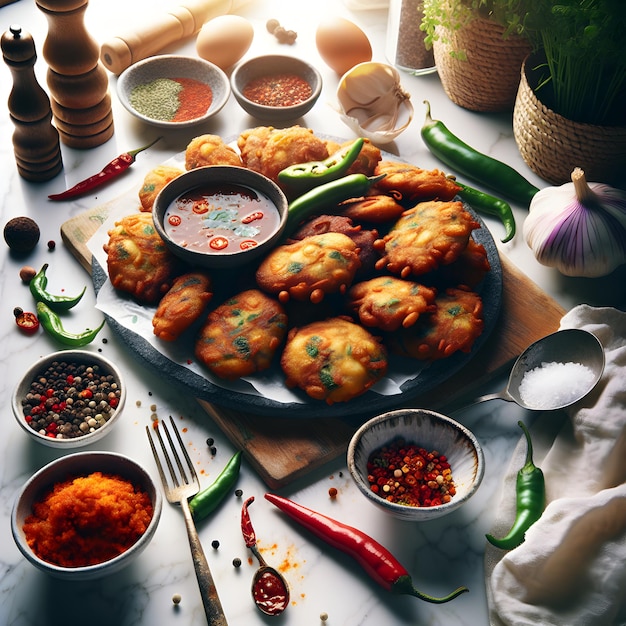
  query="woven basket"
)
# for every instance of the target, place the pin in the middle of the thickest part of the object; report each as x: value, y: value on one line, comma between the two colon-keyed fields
x: 552, y: 145
x: 488, y: 77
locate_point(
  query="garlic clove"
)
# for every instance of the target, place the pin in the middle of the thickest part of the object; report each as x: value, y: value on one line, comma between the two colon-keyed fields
x: 373, y: 103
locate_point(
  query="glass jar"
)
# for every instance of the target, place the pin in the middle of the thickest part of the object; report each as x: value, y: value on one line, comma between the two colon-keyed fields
x: 405, y: 46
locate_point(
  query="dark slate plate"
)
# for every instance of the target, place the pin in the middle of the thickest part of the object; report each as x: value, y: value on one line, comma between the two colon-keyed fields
x: 365, y: 406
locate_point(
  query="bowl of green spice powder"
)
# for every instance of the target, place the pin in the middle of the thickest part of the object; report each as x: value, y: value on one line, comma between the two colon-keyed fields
x: 173, y: 91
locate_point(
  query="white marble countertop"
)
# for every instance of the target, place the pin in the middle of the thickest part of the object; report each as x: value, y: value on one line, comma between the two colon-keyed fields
x: 440, y: 555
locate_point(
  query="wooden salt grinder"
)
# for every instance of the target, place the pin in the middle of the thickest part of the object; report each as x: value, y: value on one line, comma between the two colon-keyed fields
x: 35, y: 139
x: 78, y: 82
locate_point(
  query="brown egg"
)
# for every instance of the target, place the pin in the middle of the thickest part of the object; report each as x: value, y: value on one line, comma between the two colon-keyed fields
x: 342, y: 44
x: 224, y: 40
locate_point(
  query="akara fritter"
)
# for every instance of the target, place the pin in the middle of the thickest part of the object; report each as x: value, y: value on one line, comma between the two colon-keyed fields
x: 428, y: 235
x: 138, y: 260
x: 454, y: 326
x: 154, y: 181
x: 210, y: 150
x: 468, y: 270
x: 182, y: 305
x: 414, y: 183
x: 389, y: 303
x: 310, y: 268
x: 269, y: 150
x: 333, y: 360
x: 242, y: 335
x: 369, y: 156
x: 376, y: 209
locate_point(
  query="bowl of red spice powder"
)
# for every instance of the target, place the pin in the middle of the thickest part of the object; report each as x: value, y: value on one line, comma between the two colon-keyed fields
x: 86, y: 515
x: 275, y: 87
x: 173, y: 91
x: 416, y: 464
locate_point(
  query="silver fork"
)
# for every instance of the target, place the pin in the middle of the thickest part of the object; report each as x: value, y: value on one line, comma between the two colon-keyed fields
x: 182, y: 485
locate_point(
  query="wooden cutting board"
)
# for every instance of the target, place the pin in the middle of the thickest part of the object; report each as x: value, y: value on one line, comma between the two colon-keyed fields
x: 282, y: 449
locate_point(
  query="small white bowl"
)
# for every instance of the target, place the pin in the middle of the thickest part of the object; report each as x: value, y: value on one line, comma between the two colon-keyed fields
x: 83, y: 464
x: 428, y: 430
x: 273, y: 64
x: 174, y: 66
x: 215, y: 176
x: 79, y: 357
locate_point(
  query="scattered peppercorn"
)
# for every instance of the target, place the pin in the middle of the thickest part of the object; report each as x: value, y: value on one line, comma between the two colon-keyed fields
x: 69, y: 400
x: 236, y: 562
x: 52, y: 244
x: 238, y: 493
x: 323, y: 617
x: 21, y: 234
x: 213, y: 450
x: 215, y: 544
x: 27, y: 273
x: 406, y: 474
x: 210, y: 441
x: 282, y: 34
x: 176, y: 598
x: 332, y: 492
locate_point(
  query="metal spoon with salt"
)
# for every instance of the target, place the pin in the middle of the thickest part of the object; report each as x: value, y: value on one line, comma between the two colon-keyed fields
x: 570, y: 346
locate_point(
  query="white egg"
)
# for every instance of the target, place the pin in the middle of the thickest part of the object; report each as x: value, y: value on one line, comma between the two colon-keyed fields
x: 224, y: 40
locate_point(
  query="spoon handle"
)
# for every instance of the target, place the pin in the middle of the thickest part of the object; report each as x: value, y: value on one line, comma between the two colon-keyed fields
x: 459, y: 405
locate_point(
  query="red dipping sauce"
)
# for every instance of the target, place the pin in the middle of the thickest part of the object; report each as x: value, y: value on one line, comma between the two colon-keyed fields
x: 270, y: 593
x: 226, y: 218
x: 278, y: 90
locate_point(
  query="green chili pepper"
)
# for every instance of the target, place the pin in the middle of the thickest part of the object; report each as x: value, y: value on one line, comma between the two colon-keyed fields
x: 53, y: 325
x: 490, y: 205
x: 475, y: 165
x: 60, y: 303
x: 327, y: 195
x: 531, y: 500
x: 302, y: 177
x: 207, y: 500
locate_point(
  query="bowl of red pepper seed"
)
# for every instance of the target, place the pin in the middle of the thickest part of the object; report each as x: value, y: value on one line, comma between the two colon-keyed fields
x: 69, y: 399
x: 415, y: 463
x: 173, y: 91
x: 276, y: 88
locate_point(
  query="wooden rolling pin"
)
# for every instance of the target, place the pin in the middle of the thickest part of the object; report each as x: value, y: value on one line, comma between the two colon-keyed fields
x: 152, y: 37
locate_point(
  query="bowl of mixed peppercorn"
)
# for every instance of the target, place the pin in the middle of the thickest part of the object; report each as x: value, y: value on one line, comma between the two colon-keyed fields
x: 276, y: 88
x: 69, y: 398
x: 173, y: 91
x: 416, y: 464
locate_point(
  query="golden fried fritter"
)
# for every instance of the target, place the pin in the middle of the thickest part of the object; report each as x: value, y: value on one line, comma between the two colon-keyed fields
x: 468, y: 270
x: 368, y: 158
x: 428, y: 235
x: 310, y: 268
x: 414, y: 183
x: 390, y: 303
x: 210, y: 150
x: 241, y: 336
x: 377, y: 209
x: 182, y: 305
x: 269, y: 150
x: 454, y: 326
x: 154, y: 181
x: 333, y: 360
x: 138, y: 260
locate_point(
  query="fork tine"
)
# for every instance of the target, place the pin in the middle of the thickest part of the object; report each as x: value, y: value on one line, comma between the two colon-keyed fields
x: 192, y: 471
x: 156, y: 456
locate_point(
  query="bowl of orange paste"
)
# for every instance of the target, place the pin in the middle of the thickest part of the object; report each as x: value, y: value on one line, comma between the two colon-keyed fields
x: 86, y: 515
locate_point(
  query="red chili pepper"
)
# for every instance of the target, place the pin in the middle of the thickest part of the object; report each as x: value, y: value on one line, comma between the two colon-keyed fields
x: 375, y: 559
x: 111, y: 170
x: 26, y: 321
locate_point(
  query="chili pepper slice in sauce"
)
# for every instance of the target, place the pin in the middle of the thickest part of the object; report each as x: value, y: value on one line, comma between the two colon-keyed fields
x: 38, y: 289
x: 26, y: 321
x: 110, y: 171
x: 269, y: 588
x: 376, y: 560
x: 530, y: 496
x: 207, y: 500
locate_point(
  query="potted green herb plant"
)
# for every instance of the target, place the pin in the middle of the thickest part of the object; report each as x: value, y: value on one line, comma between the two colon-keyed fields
x: 478, y: 50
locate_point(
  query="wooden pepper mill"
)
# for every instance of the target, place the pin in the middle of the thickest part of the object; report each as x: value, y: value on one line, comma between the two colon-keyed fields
x: 77, y: 80
x: 35, y: 139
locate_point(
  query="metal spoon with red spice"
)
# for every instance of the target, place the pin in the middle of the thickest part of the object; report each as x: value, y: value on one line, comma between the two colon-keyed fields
x: 269, y: 588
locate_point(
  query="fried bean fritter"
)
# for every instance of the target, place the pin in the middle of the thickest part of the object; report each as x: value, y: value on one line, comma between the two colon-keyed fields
x: 414, y: 183
x: 242, y: 335
x: 138, y: 260
x: 269, y: 150
x: 390, y: 303
x: 454, y: 326
x: 154, y: 181
x: 428, y: 235
x: 182, y: 305
x: 377, y: 209
x: 468, y: 270
x: 368, y: 158
x: 333, y: 360
x: 210, y: 150
x: 310, y: 268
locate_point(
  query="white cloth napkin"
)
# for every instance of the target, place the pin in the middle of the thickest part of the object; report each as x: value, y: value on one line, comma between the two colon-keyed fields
x: 571, y: 570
